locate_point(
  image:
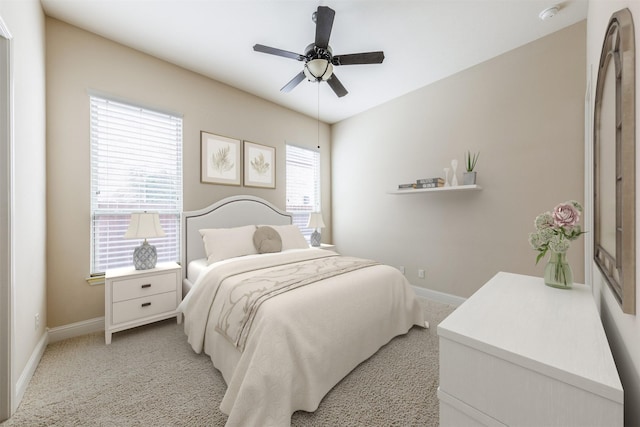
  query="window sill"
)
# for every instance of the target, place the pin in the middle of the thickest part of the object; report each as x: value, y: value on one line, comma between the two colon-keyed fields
x: 98, y: 279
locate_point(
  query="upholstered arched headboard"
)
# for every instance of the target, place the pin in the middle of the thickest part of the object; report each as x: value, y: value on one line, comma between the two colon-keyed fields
x: 233, y: 211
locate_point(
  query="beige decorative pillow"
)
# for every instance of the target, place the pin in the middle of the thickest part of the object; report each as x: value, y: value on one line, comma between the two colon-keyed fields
x: 224, y: 243
x: 267, y: 240
x: 291, y: 237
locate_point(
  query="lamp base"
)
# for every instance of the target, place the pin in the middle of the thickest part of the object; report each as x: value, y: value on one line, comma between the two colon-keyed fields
x: 315, y: 239
x: 145, y: 256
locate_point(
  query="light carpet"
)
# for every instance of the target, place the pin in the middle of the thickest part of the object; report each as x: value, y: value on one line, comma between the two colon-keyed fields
x: 149, y: 376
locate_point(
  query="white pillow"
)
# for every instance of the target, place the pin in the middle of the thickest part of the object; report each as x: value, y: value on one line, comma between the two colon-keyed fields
x: 224, y: 243
x: 291, y: 237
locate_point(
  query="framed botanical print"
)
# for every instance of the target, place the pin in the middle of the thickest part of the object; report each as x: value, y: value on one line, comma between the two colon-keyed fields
x: 220, y: 159
x: 259, y: 165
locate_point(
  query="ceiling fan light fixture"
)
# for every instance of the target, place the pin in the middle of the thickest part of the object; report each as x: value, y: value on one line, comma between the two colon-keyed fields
x: 318, y: 69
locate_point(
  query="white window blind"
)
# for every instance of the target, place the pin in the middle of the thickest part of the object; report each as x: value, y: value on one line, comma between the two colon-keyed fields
x: 303, y: 185
x: 136, y: 165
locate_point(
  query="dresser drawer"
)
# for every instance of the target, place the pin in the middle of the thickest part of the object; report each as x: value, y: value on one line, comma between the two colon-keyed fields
x: 143, y: 307
x: 144, y: 286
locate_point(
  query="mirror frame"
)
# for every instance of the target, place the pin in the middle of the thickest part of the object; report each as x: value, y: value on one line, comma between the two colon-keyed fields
x: 618, y: 269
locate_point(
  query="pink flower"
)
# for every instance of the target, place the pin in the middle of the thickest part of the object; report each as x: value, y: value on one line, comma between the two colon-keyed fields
x: 565, y: 215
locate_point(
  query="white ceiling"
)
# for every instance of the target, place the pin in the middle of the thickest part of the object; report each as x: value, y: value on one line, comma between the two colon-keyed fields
x: 423, y: 40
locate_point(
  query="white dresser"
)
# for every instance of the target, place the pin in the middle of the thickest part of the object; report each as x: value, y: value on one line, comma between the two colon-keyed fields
x: 137, y: 297
x: 520, y: 353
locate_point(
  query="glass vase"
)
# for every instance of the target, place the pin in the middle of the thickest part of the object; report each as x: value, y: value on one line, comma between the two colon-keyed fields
x: 557, y: 273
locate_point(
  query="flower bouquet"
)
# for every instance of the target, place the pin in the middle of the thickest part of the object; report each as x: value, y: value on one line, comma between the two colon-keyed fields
x: 554, y: 232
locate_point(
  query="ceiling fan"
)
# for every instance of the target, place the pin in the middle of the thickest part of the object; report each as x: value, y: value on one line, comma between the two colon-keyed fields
x: 318, y: 57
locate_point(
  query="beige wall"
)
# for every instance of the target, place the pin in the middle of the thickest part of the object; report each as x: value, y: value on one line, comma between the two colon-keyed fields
x: 25, y: 21
x: 623, y: 330
x: 524, y: 112
x: 78, y: 62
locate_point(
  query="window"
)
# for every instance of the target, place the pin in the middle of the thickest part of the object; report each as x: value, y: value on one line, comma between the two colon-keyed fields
x: 136, y: 165
x: 303, y: 185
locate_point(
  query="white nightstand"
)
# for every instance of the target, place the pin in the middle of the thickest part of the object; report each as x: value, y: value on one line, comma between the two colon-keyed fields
x: 137, y: 297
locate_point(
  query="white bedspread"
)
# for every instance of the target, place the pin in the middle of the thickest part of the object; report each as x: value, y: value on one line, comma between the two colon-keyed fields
x: 302, y: 342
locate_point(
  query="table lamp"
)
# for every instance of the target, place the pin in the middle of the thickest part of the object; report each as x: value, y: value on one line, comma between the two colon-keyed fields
x: 315, y: 222
x: 144, y: 225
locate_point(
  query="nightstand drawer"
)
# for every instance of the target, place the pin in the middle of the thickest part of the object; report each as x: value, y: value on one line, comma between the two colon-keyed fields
x: 143, y: 286
x: 139, y: 308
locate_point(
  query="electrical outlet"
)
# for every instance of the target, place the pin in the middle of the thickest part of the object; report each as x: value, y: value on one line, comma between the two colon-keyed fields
x: 37, y: 321
x: 421, y: 273
x: 401, y: 268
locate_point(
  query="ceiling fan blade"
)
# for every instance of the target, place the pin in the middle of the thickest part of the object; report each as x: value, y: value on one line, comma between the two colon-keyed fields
x: 293, y: 83
x: 337, y: 86
x: 359, y: 58
x: 324, y: 23
x: 278, y: 52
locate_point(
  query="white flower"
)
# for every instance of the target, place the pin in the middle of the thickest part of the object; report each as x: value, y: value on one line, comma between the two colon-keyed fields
x: 544, y: 220
x: 559, y: 244
x: 535, y: 241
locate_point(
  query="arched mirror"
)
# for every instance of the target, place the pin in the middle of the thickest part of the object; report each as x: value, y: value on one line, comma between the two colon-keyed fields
x: 614, y: 161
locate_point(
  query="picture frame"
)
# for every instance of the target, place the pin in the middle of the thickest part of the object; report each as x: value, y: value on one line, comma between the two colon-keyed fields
x: 220, y: 159
x: 259, y: 165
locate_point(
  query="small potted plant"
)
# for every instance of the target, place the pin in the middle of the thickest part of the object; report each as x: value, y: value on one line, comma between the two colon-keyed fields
x: 470, y: 161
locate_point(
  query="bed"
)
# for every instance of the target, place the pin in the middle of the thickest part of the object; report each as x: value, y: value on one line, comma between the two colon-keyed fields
x: 285, y: 326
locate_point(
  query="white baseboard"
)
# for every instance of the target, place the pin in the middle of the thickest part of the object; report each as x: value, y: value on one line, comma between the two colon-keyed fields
x: 29, y: 370
x: 76, y: 329
x: 438, y: 296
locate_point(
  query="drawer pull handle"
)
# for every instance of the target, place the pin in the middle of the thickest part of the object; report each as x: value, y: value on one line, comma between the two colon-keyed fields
x: 148, y: 285
x: 146, y: 304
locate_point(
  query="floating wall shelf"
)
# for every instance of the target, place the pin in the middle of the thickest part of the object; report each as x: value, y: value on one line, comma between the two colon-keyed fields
x: 435, y: 190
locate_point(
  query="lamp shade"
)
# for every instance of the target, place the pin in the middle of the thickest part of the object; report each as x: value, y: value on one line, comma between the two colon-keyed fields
x: 315, y: 220
x: 144, y: 225
x: 318, y: 69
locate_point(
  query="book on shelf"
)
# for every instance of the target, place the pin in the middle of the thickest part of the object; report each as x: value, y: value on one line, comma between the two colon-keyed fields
x: 430, y: 180
x: 424, y: 185
x: 430, y: 185
x: 406, y: 186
